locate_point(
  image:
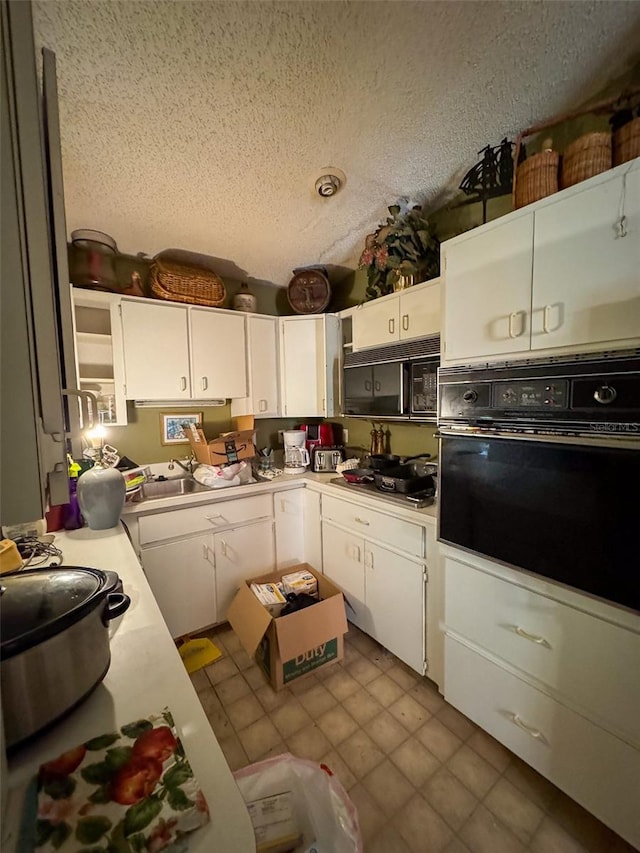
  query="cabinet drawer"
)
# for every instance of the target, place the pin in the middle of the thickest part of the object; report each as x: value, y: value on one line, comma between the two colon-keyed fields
x: 595, y: 768
x: 212, y: 516
x: 375, y: 525
x: 581, y: 657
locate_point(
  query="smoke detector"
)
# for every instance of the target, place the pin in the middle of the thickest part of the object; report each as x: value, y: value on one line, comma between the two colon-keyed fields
x: 330, y: 182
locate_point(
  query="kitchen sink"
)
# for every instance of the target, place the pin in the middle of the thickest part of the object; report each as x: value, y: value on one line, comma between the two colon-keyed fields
x: 171, y: 488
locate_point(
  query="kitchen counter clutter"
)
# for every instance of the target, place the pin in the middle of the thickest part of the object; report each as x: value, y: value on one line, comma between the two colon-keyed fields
x: 145, y: 676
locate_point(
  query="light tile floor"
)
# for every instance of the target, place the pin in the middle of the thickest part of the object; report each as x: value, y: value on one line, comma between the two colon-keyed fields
x: 423, y: 777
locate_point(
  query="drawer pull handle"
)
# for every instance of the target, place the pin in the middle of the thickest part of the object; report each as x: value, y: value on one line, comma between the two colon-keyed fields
x: 223, y: 548
x: 212, y: 518
x: 362, y: 521
x: 534, y: 733
x: 533, y: 638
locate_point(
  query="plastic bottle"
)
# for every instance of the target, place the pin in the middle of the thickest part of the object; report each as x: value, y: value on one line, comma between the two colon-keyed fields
x: 71, y: 516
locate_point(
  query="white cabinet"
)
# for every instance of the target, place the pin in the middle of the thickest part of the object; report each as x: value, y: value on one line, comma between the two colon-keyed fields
x: 310, y: 365
x: 175, y: 352
x: 263, y: 398
x: 394, y: 594
x: 412, y: 313
x: 288, y: 512
x: 342, y: 562
x: 156, y: 351
x: 488, y: 291
x: 560, y: 277
x: 218, y: 358
x: 99, y: 357
x: 552, y: 675
x: 241, y: 553
x: 182, y: 578
x: 586, y: 276
x: 196, y: 558
x: 385, y: 589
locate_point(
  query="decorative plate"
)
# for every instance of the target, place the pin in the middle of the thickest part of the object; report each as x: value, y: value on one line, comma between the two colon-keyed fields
x: 309, y: 290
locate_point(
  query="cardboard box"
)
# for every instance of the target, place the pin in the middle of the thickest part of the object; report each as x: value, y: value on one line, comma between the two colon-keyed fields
x: 292, y: 646
x: 228, y: 447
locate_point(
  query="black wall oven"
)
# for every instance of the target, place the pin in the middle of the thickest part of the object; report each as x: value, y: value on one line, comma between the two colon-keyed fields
x: 540, y: 470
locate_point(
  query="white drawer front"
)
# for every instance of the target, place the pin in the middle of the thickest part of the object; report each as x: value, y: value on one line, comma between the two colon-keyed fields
x: 213, y: 516
x: 583, y: 658
x: 592, y: 766
x: 375, y: 525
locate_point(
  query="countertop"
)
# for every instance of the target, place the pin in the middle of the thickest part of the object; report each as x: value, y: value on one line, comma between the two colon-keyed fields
x: 146, y: 674
x: 316, y: 482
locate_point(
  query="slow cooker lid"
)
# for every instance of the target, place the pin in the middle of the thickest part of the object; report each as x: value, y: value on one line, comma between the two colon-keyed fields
x: 38, y: 603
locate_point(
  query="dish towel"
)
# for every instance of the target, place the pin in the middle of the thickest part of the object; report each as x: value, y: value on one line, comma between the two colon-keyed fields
x: 127, y: 791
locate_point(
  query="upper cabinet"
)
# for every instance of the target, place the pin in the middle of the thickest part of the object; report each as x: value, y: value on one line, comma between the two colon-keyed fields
x: 310, y: 365
x: 218, y: 358
x: 412, y: 313
x: 156, y: 351
x: 263, y: 399
x: 176, y: 352
x: 560, y: 277
x: 99, y: 360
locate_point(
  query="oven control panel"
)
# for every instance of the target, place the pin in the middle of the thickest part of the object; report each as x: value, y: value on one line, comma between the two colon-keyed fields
x: 528, y: 394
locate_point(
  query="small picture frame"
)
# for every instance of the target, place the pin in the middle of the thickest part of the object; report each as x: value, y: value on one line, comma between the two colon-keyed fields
x: 171, y: 431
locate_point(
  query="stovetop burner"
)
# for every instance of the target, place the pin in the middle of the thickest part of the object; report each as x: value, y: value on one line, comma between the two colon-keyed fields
x: 417, y: 500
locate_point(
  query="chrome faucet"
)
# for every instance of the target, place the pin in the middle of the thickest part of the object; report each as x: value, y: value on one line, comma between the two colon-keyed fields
x: 188, y: 467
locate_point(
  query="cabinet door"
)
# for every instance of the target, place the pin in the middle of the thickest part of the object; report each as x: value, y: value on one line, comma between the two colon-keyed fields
x: 420, y: 311
x: 218, y: 358
x: 342, y: 562
x: 304, y: 389
x: 99, y: 353
x: 488, y: 292
x: 288, y: 513
x: 395, y: 604
x: 263, y: 366
x: 376, y: 323
x: 586, y: 276
x: 182, y: 578
x: 156, y: 351
x: 241, y: 553
x: 312, y: 529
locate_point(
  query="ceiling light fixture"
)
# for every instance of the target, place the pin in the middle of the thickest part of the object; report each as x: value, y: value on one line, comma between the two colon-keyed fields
x: 330, y: 182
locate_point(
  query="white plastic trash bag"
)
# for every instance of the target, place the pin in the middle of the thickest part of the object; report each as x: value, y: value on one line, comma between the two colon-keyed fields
x: 219, y: 476
x: 322, y: 809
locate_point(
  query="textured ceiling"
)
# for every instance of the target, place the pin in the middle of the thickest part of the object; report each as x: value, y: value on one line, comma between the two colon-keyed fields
x: 203, y: 125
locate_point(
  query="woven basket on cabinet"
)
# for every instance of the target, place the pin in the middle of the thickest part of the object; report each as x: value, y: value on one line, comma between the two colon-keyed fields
x: 585, y: 157
x: 180, y: 282
x: 536, y: 178
x: 626, y: 142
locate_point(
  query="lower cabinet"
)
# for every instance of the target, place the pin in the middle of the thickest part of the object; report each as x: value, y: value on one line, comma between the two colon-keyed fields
x: 385, y: 591
x: 182, y: 578
x: 554, y: 677
x: 241, y: 553
x: 195, y: 578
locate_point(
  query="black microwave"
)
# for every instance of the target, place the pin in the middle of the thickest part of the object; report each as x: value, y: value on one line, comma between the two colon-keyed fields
x: 405, y: 390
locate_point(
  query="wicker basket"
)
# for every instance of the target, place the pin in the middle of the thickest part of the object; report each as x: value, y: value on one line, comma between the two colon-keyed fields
x: 626, y: 142
x: 536, y: 178
x: 587, y: 156
x: 180, y: 282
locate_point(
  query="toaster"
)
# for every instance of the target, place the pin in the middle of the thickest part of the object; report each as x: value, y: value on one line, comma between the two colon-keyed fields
x: 324, y: 458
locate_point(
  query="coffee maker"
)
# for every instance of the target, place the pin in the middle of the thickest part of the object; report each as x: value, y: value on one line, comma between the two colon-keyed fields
x: 296, y: 455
